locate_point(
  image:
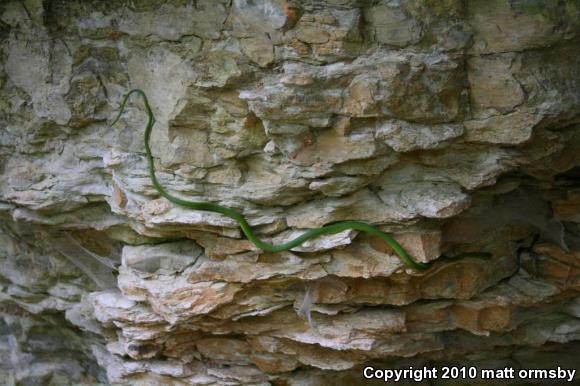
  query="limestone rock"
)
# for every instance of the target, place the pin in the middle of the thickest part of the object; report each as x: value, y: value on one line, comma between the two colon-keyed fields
x: 405, y: 136
x: 391, y: 26
x: 492, y: 84
x: 510, y: 129
x: 451, y: 126
x: 501, y: 26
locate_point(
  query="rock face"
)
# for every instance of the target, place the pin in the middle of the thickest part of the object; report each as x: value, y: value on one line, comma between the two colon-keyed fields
x: 454, y: 125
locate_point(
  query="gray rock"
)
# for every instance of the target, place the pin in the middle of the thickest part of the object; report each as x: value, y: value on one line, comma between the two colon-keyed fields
x: 450, y: 125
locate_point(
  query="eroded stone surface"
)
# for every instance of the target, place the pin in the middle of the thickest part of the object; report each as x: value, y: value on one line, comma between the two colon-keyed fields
x: 452, y: 125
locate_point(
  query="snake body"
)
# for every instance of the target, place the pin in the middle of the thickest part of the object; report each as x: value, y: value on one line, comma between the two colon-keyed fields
x: 246, y: 229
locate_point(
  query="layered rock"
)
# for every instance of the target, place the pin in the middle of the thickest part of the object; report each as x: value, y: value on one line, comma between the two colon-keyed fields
x: 452, y: 125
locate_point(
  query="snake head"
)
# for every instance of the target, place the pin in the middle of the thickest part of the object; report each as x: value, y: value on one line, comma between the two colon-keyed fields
x: 124, y: 103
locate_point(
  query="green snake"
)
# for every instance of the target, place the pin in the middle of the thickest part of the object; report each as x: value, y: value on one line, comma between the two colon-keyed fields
x: 246, y: 229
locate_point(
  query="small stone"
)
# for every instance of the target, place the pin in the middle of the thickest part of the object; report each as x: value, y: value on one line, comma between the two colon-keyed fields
x: 492, y: 84
x: 510, y: 129
x: 226, y: 175
x: 161, y: 259
x: 312, y: 34
x: 297, y: 79
x: 156, y: 207
x: 391, y: 26
x: 360, y: 100
x: 259, y: 49
x: 330, y: 148
x: 338, y: 186
x: 118, y: 195
x: 272, y: 364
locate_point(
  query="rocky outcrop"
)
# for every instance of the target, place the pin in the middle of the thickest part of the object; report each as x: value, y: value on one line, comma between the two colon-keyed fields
x: 454, y: 125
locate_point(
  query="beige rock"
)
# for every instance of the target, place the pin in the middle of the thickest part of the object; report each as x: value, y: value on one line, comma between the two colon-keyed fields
x: 224, y: 350
x: 404, y: 136
x: 338, y: 186
x: 391, y: 26
x: 311, y: 34
x: 360, y: 100
x: 451, y: 125
x: 422, y: 246
x: 360, y: 205
x: 164, y: 259
x: 510, y: 129
x: 272, y: 364
x: 204, y: 20
x: 260, y: 50
x: 329, y: 148
x: 492, y: 84
x: 568, y: 209
x: 501, y: 26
